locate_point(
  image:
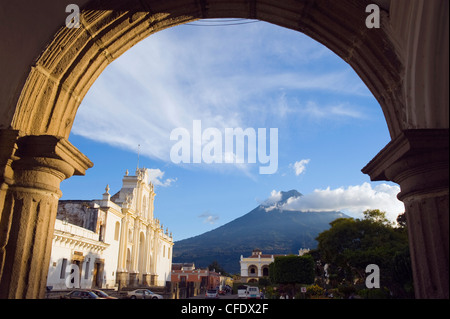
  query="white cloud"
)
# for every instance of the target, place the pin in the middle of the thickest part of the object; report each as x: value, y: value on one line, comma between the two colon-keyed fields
x: 300, y: 166
x: 209, y: 218
x: 274, y: 198
x: 156, y: 177
x: 352, y: 200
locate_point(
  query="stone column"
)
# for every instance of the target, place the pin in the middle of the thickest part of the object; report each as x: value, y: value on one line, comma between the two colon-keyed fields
x: 134, y: 272
x: 148, y: 254
x: 8, y: 147
x: 121, y: 259
x: 418, y: 161
x: 155, y: 255
x: 259, y: 266
x: 122, y: 272
x: 28, y: 210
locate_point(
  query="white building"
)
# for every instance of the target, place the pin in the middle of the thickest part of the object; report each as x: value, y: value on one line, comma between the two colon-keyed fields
x: 115, y: 241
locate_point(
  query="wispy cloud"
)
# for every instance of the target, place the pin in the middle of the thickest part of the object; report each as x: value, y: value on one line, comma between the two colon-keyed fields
x: 171, y: 78
x: 316, y: 111
x: 209, y: 218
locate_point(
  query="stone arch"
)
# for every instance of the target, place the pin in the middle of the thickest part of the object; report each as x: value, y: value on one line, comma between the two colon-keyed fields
x: 265, y: 270
x: 253, y: 270
x: 73, y: 60
x: 403, y: 63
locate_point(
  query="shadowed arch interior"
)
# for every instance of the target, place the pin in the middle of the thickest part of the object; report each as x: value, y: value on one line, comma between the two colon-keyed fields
x: 404, y: 64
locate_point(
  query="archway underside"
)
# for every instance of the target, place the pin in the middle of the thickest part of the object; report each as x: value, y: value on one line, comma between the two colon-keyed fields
x: 74, y: 59
x: 403, y: 61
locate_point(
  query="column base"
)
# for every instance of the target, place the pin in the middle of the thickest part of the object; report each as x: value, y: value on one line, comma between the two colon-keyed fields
x: 122, y: 279
x: 146, y: 279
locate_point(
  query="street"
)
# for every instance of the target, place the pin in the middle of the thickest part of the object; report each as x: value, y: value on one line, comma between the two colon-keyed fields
x: 227, y: 296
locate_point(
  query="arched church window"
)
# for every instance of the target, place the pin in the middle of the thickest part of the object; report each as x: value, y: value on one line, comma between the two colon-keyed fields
x: 130, y: 235
x: 252, y: 270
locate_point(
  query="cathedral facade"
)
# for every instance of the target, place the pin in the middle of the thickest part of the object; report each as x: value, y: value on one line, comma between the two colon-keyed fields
x: 112, y: 242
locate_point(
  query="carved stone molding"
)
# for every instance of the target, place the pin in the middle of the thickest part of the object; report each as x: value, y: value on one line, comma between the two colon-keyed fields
x: 417, y: 160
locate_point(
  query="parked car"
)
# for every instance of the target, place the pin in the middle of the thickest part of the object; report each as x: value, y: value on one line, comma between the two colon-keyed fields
x: 211, y: 294
x: 242, y: 291
x: 224, y: 289
x: 143, y: 294
x: 222, y: 292
x: 253, y: 293
x: 81, y: 294
x: 102, y: 294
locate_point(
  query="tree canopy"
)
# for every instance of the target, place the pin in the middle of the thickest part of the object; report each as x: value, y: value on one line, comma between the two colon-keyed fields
x: 292, y: 270
x: 215, y: 266
x: 352, y: 244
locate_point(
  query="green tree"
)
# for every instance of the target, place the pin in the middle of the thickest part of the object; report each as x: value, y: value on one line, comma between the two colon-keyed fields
x: 215, y: 266
x: 352, y: 244
x: 376, y: 216
x: 401, y: 221
x: 292, y: 269
x: 264, y: 282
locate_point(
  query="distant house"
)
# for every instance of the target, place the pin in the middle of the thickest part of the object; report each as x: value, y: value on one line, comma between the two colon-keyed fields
x: 187, y: 281
x: 257, y: 265
x: 113, y: 242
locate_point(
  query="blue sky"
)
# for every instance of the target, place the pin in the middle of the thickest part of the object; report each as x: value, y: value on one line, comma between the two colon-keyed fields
x: 254, y: 75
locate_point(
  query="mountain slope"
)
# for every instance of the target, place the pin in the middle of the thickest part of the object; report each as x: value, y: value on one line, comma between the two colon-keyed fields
x: 266, y: 227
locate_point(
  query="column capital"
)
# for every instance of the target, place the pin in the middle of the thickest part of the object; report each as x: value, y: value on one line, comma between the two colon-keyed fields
x: 53, y: 147
x: 41, y: 152
x: 42, y: 162
x: 416, y: 159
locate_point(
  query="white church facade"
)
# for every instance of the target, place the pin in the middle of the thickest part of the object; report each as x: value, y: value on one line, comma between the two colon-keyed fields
x: 113, y: 242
